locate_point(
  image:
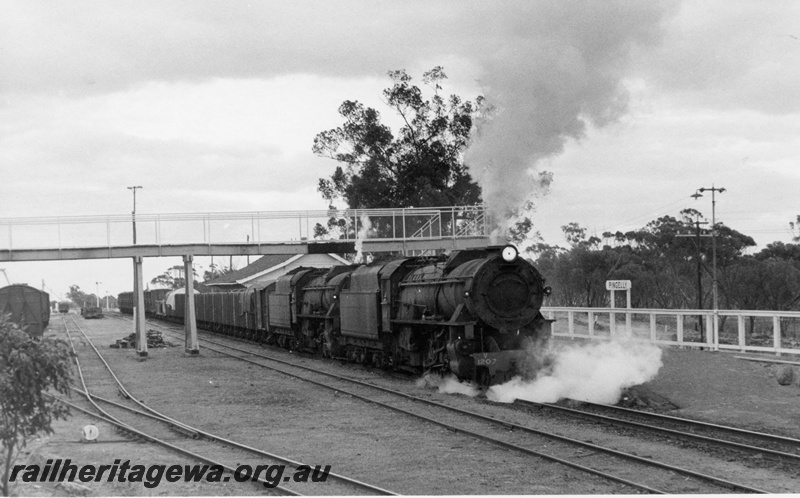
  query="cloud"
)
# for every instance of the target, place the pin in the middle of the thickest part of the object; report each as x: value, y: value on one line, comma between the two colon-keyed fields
x: 729, y: 55
x: 736, y: 52
x: 245, y: 137
x: 650, y: 162
x: 86, y: 47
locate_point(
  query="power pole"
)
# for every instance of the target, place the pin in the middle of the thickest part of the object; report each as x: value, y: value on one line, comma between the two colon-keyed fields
x: 697, y: 235
x: 696, y: 195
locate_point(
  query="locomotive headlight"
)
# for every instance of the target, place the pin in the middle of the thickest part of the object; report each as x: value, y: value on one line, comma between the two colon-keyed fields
x: 509, y: 254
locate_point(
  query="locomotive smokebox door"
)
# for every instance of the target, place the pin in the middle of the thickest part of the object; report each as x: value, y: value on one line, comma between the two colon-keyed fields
x: 504, y: 295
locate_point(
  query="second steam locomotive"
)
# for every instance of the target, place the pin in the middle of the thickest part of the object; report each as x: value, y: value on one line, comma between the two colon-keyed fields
x: 475, y: 313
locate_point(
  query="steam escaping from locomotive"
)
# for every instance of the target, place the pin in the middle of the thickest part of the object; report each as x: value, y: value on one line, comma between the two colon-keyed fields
x: 596, y: 373
x: 363, y: 233
x: 449, y: 385
x: 558, y: 76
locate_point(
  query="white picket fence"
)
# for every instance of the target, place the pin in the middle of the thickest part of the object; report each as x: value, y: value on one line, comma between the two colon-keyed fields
x: 751, y: 331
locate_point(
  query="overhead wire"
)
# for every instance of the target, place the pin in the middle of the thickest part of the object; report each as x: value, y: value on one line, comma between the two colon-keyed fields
x: 646, y: 216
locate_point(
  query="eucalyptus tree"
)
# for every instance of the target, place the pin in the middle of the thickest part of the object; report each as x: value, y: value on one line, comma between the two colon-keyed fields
x: 419, y: 165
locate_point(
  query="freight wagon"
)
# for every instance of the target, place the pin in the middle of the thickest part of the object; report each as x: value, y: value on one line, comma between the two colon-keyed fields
x: 29, y: 307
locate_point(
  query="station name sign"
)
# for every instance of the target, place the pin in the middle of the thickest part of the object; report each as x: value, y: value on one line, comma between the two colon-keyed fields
x: 615, y: 285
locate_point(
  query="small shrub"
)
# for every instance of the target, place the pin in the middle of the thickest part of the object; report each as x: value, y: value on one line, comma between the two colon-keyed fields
x: 28, y: 370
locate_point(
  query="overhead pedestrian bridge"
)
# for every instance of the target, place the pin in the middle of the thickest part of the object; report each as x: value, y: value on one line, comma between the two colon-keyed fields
x: 408, y: 231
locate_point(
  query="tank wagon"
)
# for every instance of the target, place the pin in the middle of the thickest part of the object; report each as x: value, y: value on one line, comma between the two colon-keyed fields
x: 29, y: 307
x: 475, y: 313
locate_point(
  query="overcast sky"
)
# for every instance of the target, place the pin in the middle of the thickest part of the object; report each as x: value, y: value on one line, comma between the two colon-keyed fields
x: 213, y: 106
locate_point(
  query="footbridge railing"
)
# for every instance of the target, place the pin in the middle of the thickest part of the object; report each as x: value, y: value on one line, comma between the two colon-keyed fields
x: 746, y: 331
x: 257, y: 227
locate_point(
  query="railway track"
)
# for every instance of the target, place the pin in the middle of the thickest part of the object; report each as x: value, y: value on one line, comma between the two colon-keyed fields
x: 775, y: 448
x: 241, y: 461
x: 631, y: 471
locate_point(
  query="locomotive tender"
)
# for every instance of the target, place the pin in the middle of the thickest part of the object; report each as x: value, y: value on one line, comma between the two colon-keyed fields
x: 475, y: 313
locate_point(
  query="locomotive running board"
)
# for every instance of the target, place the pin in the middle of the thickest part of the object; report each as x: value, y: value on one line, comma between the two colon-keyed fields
x: 431, y: 322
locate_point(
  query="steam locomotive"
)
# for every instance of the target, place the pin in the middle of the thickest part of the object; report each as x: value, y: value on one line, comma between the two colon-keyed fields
x: 475, y: 313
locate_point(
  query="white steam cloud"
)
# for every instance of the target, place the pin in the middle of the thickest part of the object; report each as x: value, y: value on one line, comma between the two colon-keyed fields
x: 448, y: 385
x: 596, y: 373
x: 363, y: 233
x: 562, y: 71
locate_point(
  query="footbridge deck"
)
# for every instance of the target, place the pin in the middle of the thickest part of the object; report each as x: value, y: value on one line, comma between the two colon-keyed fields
x: 411, y: 230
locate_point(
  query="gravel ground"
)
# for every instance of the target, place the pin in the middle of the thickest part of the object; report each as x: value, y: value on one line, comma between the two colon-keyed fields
x: 721, y: 387
x: 268, y: 411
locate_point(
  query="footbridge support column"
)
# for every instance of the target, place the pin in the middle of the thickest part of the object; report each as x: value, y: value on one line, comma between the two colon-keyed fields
x: 189, y: 318
x: 138, y: 307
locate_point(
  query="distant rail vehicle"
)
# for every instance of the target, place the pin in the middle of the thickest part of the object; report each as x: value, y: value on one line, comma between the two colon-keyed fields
x: 93, y: 312
x: 29, y: 307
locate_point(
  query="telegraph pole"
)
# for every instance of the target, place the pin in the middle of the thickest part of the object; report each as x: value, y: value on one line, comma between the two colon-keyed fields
x: 697, y: 234
x: 713, y: 190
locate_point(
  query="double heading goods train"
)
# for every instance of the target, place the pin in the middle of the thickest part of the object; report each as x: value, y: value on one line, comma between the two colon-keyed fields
x: 29, y: 307
x: 475, y: 313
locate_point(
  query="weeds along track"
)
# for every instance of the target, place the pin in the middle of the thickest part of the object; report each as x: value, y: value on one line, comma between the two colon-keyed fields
x: 112, y: 402
x: 630, y: 472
